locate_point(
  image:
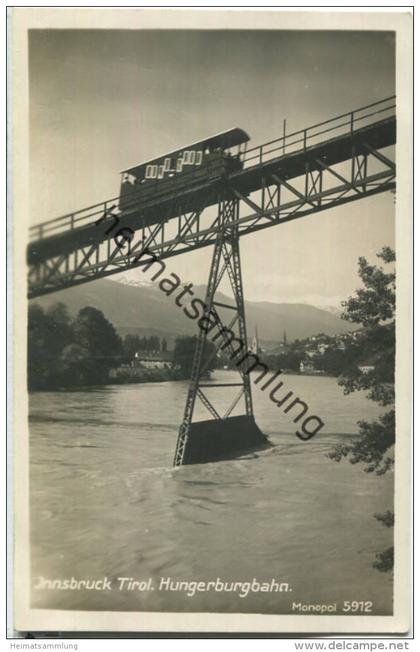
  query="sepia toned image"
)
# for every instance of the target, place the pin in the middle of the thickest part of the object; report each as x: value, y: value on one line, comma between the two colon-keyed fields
x: 212, y: 260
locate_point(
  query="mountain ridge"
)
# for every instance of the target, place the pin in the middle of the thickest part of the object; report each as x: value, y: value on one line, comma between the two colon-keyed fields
x: 146, y: 310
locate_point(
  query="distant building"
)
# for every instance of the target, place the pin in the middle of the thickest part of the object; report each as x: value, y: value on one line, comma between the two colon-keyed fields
x: 322, y: 348
x: 153, y: 359
x: 306, y: 366
x: 311, y: 353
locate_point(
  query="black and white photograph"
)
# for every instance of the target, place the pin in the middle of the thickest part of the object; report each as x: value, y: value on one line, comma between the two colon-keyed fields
x: 212, y: 246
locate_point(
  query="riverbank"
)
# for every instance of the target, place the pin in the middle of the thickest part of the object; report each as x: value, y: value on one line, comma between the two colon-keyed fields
x: 123, y: 376
x: 126, y: 375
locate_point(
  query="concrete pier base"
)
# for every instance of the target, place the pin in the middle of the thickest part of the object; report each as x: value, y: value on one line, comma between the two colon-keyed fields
x: 222, y: 439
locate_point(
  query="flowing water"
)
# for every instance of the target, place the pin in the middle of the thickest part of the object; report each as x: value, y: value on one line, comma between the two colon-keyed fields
x: 106, y: 503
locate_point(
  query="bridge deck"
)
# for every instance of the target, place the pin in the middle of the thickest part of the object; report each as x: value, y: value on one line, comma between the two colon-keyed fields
x: 302, y: 173
x: 167, y: 206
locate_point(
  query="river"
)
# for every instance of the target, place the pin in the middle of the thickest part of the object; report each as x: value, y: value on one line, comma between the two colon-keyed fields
x: 106, y: 503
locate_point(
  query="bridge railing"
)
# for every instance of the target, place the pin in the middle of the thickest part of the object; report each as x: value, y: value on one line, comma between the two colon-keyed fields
x: 86, y: 216
x: 70, y: 221
x: 153, y: 191
x: 287, y: 144
x: 303, y: 139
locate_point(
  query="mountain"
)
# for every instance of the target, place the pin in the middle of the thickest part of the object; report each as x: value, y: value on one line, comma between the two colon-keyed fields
x: 146, y: 310
x: 334, y: 310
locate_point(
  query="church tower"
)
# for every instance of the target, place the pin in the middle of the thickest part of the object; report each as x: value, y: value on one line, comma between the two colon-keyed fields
x: 255, y: 347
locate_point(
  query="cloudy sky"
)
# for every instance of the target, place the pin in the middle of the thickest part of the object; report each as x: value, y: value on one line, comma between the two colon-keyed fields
x: 101, y: 101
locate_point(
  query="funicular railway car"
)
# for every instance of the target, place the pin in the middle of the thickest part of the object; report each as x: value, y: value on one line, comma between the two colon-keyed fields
x: 183, y: 169
x: 154, y: 191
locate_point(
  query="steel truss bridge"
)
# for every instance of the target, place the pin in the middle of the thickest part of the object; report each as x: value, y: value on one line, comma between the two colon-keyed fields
x: 323, y: 166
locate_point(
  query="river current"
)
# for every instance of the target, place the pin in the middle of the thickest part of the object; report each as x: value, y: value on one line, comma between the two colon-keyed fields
x: 106, y: 503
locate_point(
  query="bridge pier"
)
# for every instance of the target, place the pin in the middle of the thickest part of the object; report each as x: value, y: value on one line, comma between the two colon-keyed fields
x: 224, y: 436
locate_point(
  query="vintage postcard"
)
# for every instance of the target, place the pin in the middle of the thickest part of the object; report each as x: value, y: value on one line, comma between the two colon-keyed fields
x: 211, y: 219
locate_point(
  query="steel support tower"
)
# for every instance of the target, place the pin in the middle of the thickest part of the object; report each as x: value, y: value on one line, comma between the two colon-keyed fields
x: 326, y: 165
x: 225, y: 261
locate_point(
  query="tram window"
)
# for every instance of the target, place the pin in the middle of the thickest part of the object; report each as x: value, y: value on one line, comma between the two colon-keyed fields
x: 167, y: 164
x: 161, y: 172
x: 179, y: 165
x: 151, y: 171
x: 198, y: 158
x: 188, y: 157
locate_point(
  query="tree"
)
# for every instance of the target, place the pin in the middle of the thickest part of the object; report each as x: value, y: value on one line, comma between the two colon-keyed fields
x: 164, y: 345
x: 373, y: 308
x: 38, y: 361
x: 98, y: 338
x: 59, y: 328
x: 131, y: 345
x: 333, y: 361
x: 154, y: 343
x: 290, y: 360
x: 73, y: 366
x: 59, y: 333
x: 48, y: 333
x: 62, y: 353
x: 184, y: 353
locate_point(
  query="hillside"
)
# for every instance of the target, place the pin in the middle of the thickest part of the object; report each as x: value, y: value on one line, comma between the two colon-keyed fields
x: 146, y: 310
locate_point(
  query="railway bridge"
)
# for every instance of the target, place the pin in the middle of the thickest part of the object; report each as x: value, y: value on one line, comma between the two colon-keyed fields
x: 323, y: 166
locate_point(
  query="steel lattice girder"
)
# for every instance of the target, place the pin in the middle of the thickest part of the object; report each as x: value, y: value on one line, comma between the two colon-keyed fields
x: 225, y: 260
x: 268, y: 207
